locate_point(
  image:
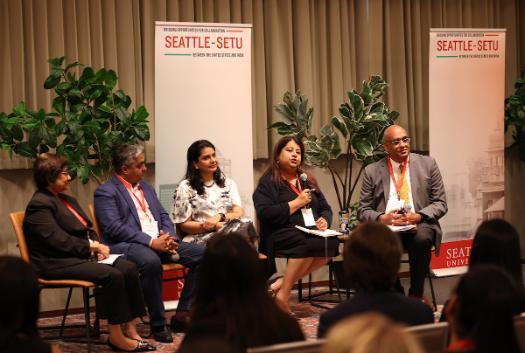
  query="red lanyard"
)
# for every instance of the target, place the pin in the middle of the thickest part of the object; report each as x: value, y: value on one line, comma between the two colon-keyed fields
x: 399, y: 183
x: 142, y: 200
x: 294, y: 188
x: 79, y: 217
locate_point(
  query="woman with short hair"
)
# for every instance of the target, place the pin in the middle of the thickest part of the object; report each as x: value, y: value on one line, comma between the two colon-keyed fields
x: 62, y: 245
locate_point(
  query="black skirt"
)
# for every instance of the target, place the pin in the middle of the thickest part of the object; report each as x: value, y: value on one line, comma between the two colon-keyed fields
x: 290, y: 242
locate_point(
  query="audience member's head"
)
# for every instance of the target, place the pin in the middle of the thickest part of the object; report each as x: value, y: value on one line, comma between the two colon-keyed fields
x: 230, y: 272
x: 371, y: 257
x: 47, y: 169
x: 19, y: 301
x: 497, y: 242
x: 482, y: 307
x: 232, y: 290
x: 370, y: 333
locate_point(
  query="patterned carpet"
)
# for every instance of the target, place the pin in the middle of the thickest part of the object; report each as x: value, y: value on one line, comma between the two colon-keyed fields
x: 306, y: 314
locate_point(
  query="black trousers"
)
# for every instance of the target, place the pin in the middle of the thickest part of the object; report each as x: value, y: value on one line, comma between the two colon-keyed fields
x: 120, y: 295
x: 418, y: 246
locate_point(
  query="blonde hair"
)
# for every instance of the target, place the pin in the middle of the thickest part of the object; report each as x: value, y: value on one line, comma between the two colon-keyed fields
x: 370, y: 333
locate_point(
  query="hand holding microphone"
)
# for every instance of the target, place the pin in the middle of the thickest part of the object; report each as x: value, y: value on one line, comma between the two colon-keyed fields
x: 305, y: 197
x: 306, y: 194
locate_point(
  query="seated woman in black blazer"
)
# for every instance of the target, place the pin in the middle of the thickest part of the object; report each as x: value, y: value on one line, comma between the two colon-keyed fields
x: 283, y: 200
x: 58, y: 237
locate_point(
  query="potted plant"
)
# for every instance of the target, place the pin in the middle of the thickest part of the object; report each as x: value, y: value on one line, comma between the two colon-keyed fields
x: 89, y: 118
x: 515, y: 116
x: 356, y: 134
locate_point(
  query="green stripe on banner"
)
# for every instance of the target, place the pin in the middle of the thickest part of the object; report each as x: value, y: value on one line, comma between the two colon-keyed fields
x: 447, y: 56
x: 167, y: 54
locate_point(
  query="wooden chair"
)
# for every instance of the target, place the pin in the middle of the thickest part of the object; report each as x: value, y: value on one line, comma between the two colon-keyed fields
x: 291, y: 347
x: 17, y: 219
x: 432, y: 337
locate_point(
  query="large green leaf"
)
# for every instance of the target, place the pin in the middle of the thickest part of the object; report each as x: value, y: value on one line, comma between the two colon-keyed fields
x: 363, y: 147
x: 141, y: 115
x: 340, y: 126
x: 52, y: 80
x: 56, y: 62
x: 356, y: 104
x: 17, y: 132
x: 20, y: 109
x: 59, y: 104
x: 286, y: 114
x: 86, y: 76
x: 24, y: 149
x: 111, y: 79
x: 83, y: 173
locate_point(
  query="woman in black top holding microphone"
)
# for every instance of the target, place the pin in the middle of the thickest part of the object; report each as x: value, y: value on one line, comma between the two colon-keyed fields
x: 282, y: 200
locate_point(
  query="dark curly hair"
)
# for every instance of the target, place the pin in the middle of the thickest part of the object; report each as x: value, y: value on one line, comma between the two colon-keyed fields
x: 192, y: 173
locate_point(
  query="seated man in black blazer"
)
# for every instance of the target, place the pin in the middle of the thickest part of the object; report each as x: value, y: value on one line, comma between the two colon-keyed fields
x: 371, y: 260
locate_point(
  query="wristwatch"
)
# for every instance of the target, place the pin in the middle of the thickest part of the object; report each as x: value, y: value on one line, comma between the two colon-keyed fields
x: 223, y: 217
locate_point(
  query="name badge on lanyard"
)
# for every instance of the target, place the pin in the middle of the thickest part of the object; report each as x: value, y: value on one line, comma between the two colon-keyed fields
x: 151, y: 228
x: 308, y: 215
x: 149, y: 225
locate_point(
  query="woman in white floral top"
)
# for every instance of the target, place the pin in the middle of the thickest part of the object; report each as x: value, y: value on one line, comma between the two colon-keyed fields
x: 206, y: 199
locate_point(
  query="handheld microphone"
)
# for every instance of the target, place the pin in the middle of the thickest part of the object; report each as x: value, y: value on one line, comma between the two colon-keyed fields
x: 303, y: 178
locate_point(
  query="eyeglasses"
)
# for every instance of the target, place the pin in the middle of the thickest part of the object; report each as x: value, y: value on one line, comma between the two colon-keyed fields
x: 396, y: 142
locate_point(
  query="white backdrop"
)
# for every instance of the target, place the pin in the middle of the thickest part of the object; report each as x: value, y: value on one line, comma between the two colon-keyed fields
x: 466, y: 108
x: 203, y: 91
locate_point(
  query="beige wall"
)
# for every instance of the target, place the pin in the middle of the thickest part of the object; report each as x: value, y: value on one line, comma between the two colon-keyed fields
x: 16, y: 188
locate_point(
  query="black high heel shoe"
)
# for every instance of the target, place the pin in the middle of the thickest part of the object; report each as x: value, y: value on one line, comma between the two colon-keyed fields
x: 142, y: 346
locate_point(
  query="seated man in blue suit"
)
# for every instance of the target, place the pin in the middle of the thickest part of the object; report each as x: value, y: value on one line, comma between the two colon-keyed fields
x: 135, y: 224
